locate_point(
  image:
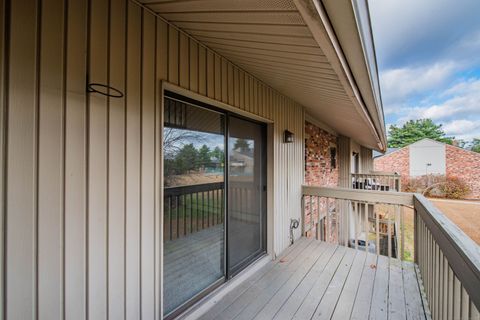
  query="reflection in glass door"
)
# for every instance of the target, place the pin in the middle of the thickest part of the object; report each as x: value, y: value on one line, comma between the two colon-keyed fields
x: 194, y: 184
x: 246, y: 223
x: 197, y: 213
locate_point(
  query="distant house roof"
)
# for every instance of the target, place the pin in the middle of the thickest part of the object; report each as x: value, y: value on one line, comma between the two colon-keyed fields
x: 377, y: 154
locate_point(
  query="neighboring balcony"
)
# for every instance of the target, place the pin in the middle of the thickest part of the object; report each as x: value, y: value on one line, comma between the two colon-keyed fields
x: 376, y: 180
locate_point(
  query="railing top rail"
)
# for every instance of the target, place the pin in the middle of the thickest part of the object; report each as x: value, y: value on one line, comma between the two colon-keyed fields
x: 194, y: 188
x: 371, y: 196
x: 462, y: 253
x: 380, y: 174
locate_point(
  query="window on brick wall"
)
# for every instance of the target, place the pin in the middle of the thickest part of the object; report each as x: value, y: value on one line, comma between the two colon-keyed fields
x: 333, y: 157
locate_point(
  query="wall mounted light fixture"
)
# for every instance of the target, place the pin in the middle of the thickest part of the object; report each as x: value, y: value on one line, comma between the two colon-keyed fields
x: 288, y: 136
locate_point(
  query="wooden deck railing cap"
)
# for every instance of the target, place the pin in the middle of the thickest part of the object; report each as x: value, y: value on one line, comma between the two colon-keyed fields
x: 371, y: 196
x: 462, y: 253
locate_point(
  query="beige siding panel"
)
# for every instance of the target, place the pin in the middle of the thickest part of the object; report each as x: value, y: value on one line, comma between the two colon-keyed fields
x: 98, y: 159
x: 241, y: 89
x: 2, y: 150
x: 218, y: 78
x: 236, y: 87
x: 366, y: 160
x: 230, y: 85
x: 162, y: 50
x: 202, y: 70
x: 116, y: 164
x: 76, y: 164
x: 211, y: 74
x: 194, y: 80
x: 147, y: 231
x: 98, y: 156
x: 184, y: 60
x: 133, y: 152
x: 224, y: 79
x: 50, y: 163
x: 173, y: 48
x: 21, y: 235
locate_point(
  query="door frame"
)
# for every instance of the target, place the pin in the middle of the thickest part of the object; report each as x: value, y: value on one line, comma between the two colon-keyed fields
x: 269, y: 180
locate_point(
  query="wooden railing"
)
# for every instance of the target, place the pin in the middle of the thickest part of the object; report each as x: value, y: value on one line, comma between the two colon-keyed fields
x: 381, y: 181
x: 447, y: 260
x: 362, y: 219
x: 189, y: 209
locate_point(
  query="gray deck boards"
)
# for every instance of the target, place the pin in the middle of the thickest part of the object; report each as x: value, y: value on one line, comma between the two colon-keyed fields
x: 316, y: 280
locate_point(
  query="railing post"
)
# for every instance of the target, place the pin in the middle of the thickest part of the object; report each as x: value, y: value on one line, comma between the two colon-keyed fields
x: 415, y: 236
x: 303, y: 215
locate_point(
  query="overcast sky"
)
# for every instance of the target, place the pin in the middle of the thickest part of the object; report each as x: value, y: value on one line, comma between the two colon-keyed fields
x: 428, y: 54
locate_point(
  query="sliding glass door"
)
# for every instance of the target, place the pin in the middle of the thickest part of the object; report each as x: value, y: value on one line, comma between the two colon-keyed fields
x: 194, y: 184
x: 209, y: 234
x: 246, y: 192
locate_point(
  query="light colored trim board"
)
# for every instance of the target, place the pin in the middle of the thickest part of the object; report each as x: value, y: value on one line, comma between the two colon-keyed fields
x: 370, y: 196
x: 215, y: 103
x: 317, y: 20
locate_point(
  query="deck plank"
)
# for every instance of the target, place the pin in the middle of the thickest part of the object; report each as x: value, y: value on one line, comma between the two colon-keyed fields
x: 296, y: 298
x: 276, y: 302
x: 379, y: 305
x: 317, y: 280
x: 274, y: 277
x: 329, y: 300
x: 361, y: 308
x: 346, y: 301
x: 288, y: 256
x: 309, y: 305
x: 266, y: 305
x: 396, y: 293
x: 413, y: 301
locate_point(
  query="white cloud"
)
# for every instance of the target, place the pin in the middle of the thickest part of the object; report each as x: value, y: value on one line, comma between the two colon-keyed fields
x: 464, y: 101
x: 401, y: 83
x: 463, y: 129
x: 421, y: 31
x: 459, y: 112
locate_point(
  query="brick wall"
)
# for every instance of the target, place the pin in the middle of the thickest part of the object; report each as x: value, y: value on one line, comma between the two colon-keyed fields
x: 464, y: 165
x: 397, y: 161
x: 318, y: 168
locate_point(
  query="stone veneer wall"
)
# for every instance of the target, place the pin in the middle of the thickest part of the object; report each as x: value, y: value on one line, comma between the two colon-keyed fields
x: 318, y: 168
x: 397, y: 161
x: 464, y: 165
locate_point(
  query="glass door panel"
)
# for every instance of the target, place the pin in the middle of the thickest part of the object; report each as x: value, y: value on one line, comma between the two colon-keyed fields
x: 246, y: 192
x: 194, y: 184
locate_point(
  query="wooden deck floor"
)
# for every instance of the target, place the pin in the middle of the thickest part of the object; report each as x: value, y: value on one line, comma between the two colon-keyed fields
x: 316, y: 280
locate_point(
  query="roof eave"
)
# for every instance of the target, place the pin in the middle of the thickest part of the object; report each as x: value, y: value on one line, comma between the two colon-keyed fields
x: 366, y: 97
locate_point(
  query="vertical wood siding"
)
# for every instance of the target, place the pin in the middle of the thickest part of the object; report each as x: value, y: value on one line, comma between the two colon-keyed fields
x: 366, y: 160
x: 80, y: 190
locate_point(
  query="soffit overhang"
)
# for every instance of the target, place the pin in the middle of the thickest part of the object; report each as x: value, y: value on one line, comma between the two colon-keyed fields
x: 290, y: 46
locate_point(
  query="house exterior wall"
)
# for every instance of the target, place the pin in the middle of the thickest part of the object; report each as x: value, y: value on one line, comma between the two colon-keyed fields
x: 318, y: 169
x: 427, y: 152
x: 82, y: 173
x: 366, y: 160
x: 464, y: 165
x: 397, y: 161
x: 460, y: 163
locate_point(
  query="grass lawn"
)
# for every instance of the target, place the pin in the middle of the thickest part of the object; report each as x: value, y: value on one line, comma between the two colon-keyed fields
x: 465, y: 214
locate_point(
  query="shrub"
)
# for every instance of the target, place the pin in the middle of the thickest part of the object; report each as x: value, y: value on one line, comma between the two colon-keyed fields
x: 438, y: 186
x: 454, y: 188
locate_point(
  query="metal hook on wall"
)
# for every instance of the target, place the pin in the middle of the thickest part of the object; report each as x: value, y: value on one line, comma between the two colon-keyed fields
x: 104, y: 89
